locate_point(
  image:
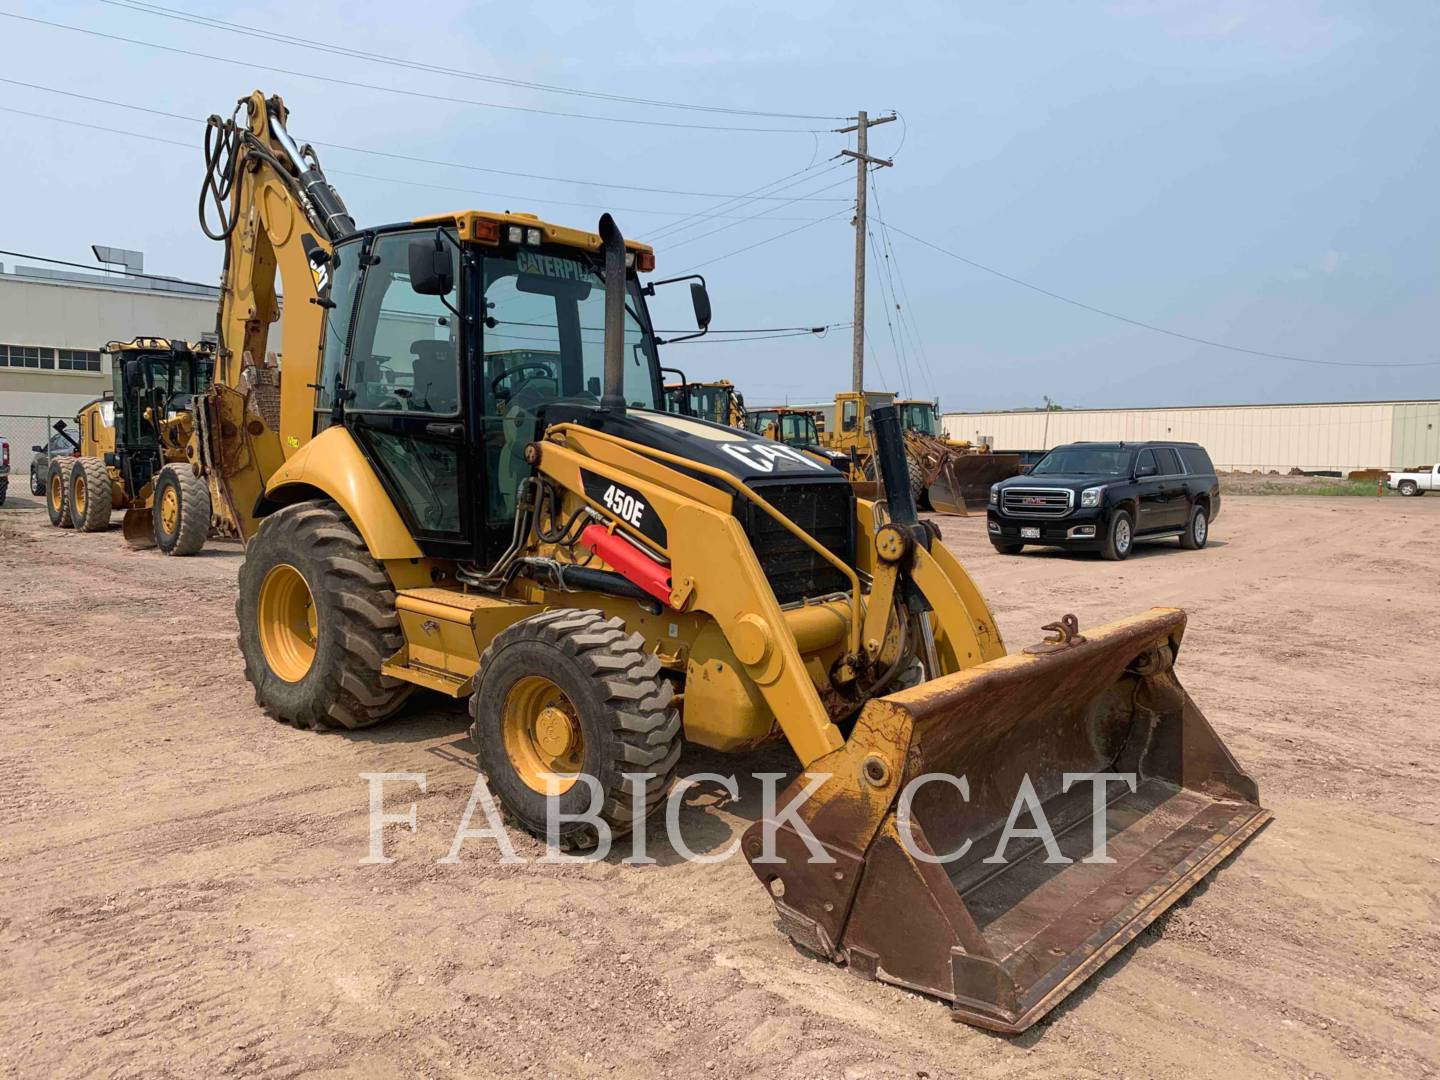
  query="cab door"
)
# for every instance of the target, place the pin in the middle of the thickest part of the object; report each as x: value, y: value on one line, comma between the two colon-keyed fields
x: 404, y: 378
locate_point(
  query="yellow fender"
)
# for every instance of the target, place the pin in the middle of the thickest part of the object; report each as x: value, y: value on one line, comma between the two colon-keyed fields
x: 332, y: 464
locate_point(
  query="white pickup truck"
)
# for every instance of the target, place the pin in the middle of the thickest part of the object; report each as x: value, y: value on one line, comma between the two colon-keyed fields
x: 1415, y: 483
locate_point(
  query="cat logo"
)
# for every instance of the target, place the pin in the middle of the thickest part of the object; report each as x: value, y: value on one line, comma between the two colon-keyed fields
x: 319, y: 260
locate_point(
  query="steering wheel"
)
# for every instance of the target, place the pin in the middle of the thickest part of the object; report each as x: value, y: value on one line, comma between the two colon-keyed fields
x: 531, y: 371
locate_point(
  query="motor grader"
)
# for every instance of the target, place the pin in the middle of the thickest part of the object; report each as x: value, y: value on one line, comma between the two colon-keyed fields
x: 134, y: 450
x: 605, y: 581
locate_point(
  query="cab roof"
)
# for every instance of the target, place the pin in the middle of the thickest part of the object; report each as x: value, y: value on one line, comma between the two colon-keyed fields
x: 158, y: 344
x: 464, y: 222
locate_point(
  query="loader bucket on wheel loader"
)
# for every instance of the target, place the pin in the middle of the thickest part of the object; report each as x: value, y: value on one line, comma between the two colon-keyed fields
x: 1005, y: 930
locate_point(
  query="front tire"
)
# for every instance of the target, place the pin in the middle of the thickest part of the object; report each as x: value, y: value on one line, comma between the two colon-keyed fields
x: 317, y: 620
x: 1120, y: 539
x: 57, y: 494
x: 37, y: 482
x: 181, y: 510
x: 90, y: 495
x: 569, y: 692
x: 1197, y: 530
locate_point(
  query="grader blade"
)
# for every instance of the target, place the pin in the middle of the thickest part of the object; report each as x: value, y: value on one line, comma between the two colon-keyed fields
x: 138, y: 527
x: 1003, y: 883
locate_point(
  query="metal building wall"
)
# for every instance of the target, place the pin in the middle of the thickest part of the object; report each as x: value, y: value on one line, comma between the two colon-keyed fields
x: 1342, y: 436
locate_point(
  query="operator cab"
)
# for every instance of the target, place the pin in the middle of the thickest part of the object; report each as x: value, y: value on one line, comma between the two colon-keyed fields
x: 446, y: 340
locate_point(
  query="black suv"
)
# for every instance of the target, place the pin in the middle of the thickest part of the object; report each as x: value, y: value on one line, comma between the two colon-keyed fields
x: 1105, y: 496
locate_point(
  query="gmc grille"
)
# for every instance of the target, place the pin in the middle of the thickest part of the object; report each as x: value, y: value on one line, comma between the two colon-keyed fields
x: 825, y: 511
x: 1036, y: 502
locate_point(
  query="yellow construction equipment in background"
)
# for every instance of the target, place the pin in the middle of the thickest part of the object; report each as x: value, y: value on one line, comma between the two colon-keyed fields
x: 134, y: 450
x: 718, y: 401
x: 604, y: 581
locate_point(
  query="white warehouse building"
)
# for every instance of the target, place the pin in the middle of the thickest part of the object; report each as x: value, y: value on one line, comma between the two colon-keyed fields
x: 1333, y: 436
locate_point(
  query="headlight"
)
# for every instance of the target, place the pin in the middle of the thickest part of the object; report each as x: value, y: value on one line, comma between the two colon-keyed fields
x: 995, y: 496
x: 1091, y: 496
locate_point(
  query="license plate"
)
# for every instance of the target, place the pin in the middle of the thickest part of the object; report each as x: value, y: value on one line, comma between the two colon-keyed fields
x: 1030, y: 533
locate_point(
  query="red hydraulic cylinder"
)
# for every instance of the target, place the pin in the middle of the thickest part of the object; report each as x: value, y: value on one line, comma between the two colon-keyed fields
x: 629, y: 561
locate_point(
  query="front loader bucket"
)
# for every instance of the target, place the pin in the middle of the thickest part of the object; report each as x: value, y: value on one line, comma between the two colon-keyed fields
x: 138, y: 527
x: 1005, y: 931
x: 946, y: 496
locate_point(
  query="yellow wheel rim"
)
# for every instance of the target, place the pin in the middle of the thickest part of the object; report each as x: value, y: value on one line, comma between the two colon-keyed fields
x: 287, y: 623
x: 79, y: 494
x: 57, y: 493
x: 170, y: 516
x: 542, y: 734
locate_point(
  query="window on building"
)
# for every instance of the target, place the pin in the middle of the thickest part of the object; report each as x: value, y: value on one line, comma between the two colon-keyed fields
x: 42, y: 358
x: 79, y: 360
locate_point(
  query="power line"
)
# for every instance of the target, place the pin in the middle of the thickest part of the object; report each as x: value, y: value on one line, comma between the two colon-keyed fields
x: 101, y: 269
x: 817, y: 332
x: 354, y: 84
x: 1152, y: 326
x: 757, y: 216
x: 767, y: 240
x: 887, y: 301
x: 347, y: 51
x: 391, y: 154
x: 771, y: 189
x: 366, y: 176
x: 892, y: 270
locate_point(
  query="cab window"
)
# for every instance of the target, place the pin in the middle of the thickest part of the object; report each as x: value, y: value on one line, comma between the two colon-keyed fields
x: 405, y: 351
x: 849, y: 415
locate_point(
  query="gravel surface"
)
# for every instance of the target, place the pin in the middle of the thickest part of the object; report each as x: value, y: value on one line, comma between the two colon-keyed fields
x: 181, y: 891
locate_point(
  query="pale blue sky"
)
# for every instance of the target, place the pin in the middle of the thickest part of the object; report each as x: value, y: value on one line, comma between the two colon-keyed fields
x: 1263, y: 172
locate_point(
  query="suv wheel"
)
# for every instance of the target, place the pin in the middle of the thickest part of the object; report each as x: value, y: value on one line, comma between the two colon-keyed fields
x: 1121, y: 538
x: 37, y: 482
x: 1197, y: 532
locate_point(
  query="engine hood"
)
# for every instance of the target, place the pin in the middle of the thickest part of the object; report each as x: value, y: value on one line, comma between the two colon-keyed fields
x: 755, y: 460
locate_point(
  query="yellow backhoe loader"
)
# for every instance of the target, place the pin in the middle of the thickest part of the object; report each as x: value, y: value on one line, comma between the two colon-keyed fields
x: 134, y: 450
x: 605, y: 581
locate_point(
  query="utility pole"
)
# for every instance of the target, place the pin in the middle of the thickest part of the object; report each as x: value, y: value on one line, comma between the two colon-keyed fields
x: 861, y: 126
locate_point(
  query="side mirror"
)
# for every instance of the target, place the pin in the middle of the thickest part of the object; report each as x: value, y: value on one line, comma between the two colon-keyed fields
x: 1142, y: 471
x: 430, y: 269
x: 37, y: 449
x: 700, y: 299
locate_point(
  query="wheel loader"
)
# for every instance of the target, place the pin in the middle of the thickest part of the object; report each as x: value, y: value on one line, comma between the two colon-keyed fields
x: 605, y: 581
x: 718, y: 401
x: 795, y: 428
x: 134, y: 450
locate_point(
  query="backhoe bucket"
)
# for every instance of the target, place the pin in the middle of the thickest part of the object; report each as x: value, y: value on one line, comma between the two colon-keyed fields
x: 1036, y: 890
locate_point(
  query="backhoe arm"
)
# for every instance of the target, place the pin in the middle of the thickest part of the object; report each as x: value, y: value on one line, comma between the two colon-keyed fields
x: 276, y: 212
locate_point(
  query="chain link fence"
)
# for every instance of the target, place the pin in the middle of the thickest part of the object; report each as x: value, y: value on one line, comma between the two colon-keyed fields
x: 24, y: 433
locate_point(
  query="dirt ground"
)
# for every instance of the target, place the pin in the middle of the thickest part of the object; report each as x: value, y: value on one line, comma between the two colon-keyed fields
x: 180, y: 892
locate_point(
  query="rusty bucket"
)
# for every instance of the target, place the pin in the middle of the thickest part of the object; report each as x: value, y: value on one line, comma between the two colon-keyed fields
x: 943, y: 878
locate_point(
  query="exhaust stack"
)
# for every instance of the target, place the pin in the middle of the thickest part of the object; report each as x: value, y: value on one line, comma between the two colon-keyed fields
x: 613, y: 397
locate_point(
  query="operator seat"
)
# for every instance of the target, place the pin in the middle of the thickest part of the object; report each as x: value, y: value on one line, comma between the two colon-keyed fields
x: 437, y: 379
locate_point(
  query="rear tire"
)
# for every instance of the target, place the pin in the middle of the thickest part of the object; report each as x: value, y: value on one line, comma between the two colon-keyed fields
x: 57, y: 494
x: 90, y: 495
x: 317, y: 620
x: 1009, y: 549
x: 1120, y: 539
x: 1408, y: 488
x: 608, y: 709
x: 4, y: 488
x: 1197, y: 530
x: 181, y: 510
